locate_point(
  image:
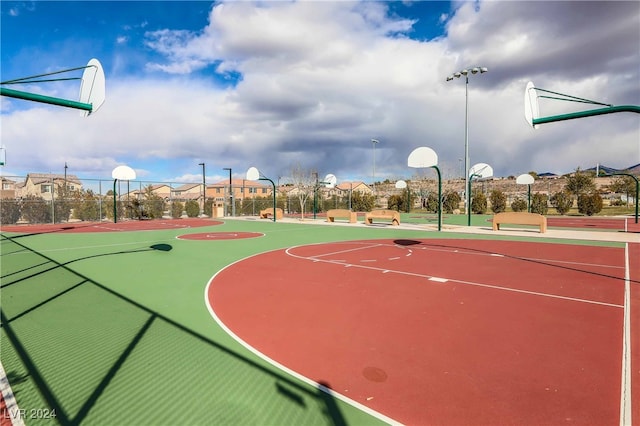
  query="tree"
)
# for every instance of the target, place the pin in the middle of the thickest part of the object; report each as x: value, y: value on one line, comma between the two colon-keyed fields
x: 304, y: 182
x: 518, y: 205
x: 580, y: 183
x: 539, y: 203
x: 562, y: 202
x: 153, y: 204
x: 589, y: 204
x: 623, y: 185
x: 498, y: 201
x: 362, y: 202
x: 479, y: 203
x: 61, y: 205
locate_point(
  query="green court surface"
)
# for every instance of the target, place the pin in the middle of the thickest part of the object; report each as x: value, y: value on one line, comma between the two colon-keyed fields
x: 112, y: 329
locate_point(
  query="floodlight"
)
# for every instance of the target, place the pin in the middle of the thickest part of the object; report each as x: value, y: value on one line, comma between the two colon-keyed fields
x: 449, y: 78
x: 464, y: 72
x: 457, y: 74
x: 483, y: 69
x: 474, y: 70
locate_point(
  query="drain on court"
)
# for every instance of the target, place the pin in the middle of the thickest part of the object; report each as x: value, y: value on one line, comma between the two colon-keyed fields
x: 220, y: 236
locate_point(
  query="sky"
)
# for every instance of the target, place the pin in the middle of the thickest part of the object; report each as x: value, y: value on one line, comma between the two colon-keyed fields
x: 280, y: 85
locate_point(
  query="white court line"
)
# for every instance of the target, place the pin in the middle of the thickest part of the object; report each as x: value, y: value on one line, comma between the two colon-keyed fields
x: 533, y: 259
x: 470, y: 283
x: 13, y: 411
x: 625, y: 392
x: 339, y: 251
x: 282, y: 367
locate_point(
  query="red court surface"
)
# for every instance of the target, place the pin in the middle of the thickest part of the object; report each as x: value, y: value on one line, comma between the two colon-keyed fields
x: 447, y: 332
x: 127, y: 225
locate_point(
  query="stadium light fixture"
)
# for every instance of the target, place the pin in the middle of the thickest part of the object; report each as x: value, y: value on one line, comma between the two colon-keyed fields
x: 458, y: 74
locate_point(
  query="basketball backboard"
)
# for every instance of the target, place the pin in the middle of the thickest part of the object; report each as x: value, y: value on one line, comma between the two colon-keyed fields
x: 531, y: 107
x: 92, y: 86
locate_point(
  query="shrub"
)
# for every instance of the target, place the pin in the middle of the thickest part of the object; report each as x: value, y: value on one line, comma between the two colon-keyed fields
x: 562, y: 202
x: 9, y: 212
x: 176, y: 209
x: 35, y: 209
x: 589, y: 204
x: 192, y: 208
x: 431, y: 202
x: 539, y: 203
x: 518, y: 205
x: 498, y: 201
x: 479, y: 203
x: 451, y: 201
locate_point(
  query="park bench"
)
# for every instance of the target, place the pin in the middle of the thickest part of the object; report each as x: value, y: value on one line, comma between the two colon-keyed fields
x: 392, y: 215
x: 520, y: 218
x: 342, y: 213
x: 264, y: 214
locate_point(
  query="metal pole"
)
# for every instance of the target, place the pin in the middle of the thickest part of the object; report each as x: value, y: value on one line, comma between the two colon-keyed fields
x: 274, y: 196
x: 115, y: 202
x: 589, y: 113
x: 467, y: 182
x: 469, y: 205
x: 45, y: 99
x: 231, y: 213
x: 439, y: 198
x: 204, y: 188
x: 374, y: 142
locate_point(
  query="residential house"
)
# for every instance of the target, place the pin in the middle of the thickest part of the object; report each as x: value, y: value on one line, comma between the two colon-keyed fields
x: 7, y: 188
x: 44, y: 184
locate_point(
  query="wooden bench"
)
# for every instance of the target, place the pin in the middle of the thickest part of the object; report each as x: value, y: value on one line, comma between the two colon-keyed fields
x: 520, y: 218
x: 342, y: 213
x: 392, y: 215
x: 264, y: 214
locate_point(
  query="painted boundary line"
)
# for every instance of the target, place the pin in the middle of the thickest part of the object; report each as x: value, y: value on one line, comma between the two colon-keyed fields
x: 625, y: 392
x: 443, y: 279
x: 283, y: 368
x: 11, y: 405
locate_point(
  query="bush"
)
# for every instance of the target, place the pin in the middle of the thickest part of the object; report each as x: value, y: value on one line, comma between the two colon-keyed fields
x: 479, y: 203
x: 361, y: 202
x: 562, y: 202
x: 192, y: 208
x: 518, y: 205
x: 395, y: 202
x: 589, y: 204
x: 539, y: 203
x: 451, y: 201
x: 176, y: 209
x: 9, y: 212
x: 431, y: 202
x: 498, y: 201
x: 35, y: 209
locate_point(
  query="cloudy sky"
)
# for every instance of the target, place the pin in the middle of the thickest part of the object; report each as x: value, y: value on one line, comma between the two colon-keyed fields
x: 283, y: 84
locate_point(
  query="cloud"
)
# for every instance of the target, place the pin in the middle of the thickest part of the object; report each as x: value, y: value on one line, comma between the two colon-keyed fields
x: 317, y: 80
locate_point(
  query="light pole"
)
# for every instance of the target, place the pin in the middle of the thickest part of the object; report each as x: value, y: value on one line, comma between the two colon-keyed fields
x: 231, y: 205
x: 204, y: 189
x: 465, y: 72
x: 374, y: 142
